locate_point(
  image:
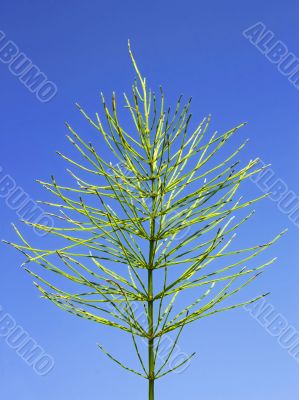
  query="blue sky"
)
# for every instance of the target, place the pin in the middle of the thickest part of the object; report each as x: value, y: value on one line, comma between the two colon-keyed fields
x: 194, y: 48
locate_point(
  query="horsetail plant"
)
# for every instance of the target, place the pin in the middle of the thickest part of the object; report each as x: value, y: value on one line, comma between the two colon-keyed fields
x: 137, y: 234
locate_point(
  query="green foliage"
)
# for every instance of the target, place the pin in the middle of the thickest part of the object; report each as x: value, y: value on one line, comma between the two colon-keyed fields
x: 172, y: 215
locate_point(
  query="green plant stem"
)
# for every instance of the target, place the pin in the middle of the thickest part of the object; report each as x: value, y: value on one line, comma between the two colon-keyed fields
x: 151, y: 340
x: 151, y: 364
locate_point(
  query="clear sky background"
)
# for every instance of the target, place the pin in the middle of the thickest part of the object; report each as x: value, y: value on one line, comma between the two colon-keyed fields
x: 192, y: 47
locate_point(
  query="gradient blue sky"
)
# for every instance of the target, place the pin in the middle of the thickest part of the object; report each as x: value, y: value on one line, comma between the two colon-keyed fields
x: 192, y: 47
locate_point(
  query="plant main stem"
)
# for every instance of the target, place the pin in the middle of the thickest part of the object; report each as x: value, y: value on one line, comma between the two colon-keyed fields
x: 151, y: 340
x: 151, y: 362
